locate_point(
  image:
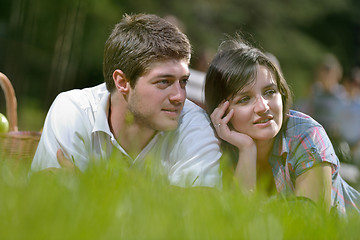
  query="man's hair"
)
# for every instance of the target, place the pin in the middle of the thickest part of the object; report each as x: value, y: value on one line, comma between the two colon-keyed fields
x: 138, y: 41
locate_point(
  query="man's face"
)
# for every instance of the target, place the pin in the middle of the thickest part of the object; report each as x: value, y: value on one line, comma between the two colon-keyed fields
x: 158, y: 97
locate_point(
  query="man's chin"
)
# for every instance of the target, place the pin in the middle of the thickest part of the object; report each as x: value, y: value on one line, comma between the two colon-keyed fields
x: 169, y: 126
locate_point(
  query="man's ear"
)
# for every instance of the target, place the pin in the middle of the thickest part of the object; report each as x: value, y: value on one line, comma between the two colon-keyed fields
x: 121, y: 82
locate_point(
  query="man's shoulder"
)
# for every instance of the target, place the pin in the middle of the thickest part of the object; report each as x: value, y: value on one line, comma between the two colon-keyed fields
x: 193, y: 118
x: 192, y: 110
x: 191, y: 107
x: 83, y: 98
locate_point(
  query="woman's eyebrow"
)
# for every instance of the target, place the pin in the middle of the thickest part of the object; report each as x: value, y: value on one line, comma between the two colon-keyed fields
x: 247, y: 92
x: 271, y: 85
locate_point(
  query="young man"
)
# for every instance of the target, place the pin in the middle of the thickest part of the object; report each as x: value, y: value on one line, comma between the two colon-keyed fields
x: 140, y: 111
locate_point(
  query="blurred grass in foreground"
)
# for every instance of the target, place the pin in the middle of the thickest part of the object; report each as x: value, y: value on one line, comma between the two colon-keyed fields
x: 112, y: 201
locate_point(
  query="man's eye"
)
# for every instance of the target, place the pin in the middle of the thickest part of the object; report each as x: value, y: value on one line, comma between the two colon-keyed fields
x: 183, y: 82
x: 162, y: 83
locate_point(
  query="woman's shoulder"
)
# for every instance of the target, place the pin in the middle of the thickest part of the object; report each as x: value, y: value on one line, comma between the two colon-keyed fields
x: 299, y: 121
x: 299, y: 115
x: 300, y: 125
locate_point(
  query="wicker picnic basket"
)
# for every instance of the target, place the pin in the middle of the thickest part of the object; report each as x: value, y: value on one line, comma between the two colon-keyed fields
x: 15, y: 145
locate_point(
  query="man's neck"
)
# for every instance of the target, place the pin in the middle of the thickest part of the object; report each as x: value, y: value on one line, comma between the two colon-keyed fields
x: 131, y: 136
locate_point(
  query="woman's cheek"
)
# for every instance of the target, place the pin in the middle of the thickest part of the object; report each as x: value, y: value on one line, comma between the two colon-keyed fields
x: 238, y: 121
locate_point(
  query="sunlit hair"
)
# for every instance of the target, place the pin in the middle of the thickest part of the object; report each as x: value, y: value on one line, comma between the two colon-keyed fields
x: 235, y: 67
x: 138, y: 41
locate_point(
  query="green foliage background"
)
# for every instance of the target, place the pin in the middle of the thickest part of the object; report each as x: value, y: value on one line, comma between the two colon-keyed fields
x: 49, y: 46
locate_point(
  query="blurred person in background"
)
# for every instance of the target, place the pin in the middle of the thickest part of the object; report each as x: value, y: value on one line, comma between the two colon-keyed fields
x: 249, y: 103
x: 196, y: 83
x: 327, y: 101
x: 350, y: 129
x: 328, y: 95
x: 140, y: 112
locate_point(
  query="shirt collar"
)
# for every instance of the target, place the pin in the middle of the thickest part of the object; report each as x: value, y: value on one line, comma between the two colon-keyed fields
x: 280, y: 145
x: 101, y: 123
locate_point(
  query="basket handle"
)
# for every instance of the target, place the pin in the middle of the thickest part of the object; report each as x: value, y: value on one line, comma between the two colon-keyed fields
x: 11, y: 104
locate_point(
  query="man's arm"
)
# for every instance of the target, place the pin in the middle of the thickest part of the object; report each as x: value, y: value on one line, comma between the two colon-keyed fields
x: 65, y: 163
x: 65, y: 129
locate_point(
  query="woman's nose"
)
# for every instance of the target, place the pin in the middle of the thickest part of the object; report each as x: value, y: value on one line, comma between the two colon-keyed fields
x: 261, y: 105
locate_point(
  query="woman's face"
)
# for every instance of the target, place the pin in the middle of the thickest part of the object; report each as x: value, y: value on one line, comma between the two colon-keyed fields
x: 258, y: 108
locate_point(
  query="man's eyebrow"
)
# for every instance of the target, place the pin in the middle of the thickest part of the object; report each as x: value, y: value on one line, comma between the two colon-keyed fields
x: 172, y: 76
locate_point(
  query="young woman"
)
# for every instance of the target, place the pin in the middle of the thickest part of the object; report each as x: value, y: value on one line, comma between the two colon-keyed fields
x: 249, y: 105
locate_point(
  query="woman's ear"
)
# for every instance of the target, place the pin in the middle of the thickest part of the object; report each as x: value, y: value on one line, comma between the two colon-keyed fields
x: 121, y: 82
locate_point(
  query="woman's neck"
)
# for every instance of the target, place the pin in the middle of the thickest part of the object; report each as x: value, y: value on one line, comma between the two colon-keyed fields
x: 264, y: 149
x: 263, y: 168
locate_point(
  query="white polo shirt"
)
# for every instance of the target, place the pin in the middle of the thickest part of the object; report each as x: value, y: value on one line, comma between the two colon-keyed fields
x: 77, y: 122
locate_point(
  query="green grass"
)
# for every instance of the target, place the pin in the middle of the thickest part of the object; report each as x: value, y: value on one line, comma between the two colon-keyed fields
x: 111, y: 201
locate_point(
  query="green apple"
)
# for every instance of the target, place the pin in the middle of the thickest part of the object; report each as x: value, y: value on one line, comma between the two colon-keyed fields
x: 4, y: 124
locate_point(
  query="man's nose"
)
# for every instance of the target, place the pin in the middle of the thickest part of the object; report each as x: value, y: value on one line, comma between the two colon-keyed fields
x: 178, y: 93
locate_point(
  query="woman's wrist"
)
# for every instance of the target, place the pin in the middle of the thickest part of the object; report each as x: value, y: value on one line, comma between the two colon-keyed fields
x: 248, y: 145
x: 245, y: 170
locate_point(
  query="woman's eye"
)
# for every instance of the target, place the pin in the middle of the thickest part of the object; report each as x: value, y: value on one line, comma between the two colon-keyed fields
x: 270, y: 92
x: 243, y: 100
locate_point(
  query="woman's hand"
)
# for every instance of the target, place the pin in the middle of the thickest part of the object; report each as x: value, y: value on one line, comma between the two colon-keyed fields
x: 221, y: 122
x: 245, y: 171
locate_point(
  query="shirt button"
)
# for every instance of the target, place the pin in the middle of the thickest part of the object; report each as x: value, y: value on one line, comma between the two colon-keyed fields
x: 313, y: 150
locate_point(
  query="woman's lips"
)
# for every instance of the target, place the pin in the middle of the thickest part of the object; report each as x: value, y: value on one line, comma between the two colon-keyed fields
x: 263, y: 120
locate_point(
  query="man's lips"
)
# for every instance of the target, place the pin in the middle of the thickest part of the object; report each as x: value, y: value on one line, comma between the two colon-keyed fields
x: 172, y: 111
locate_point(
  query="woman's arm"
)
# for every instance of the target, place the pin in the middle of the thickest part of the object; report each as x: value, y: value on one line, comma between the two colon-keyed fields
x: 245, y: 172
x: 315, y: 184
